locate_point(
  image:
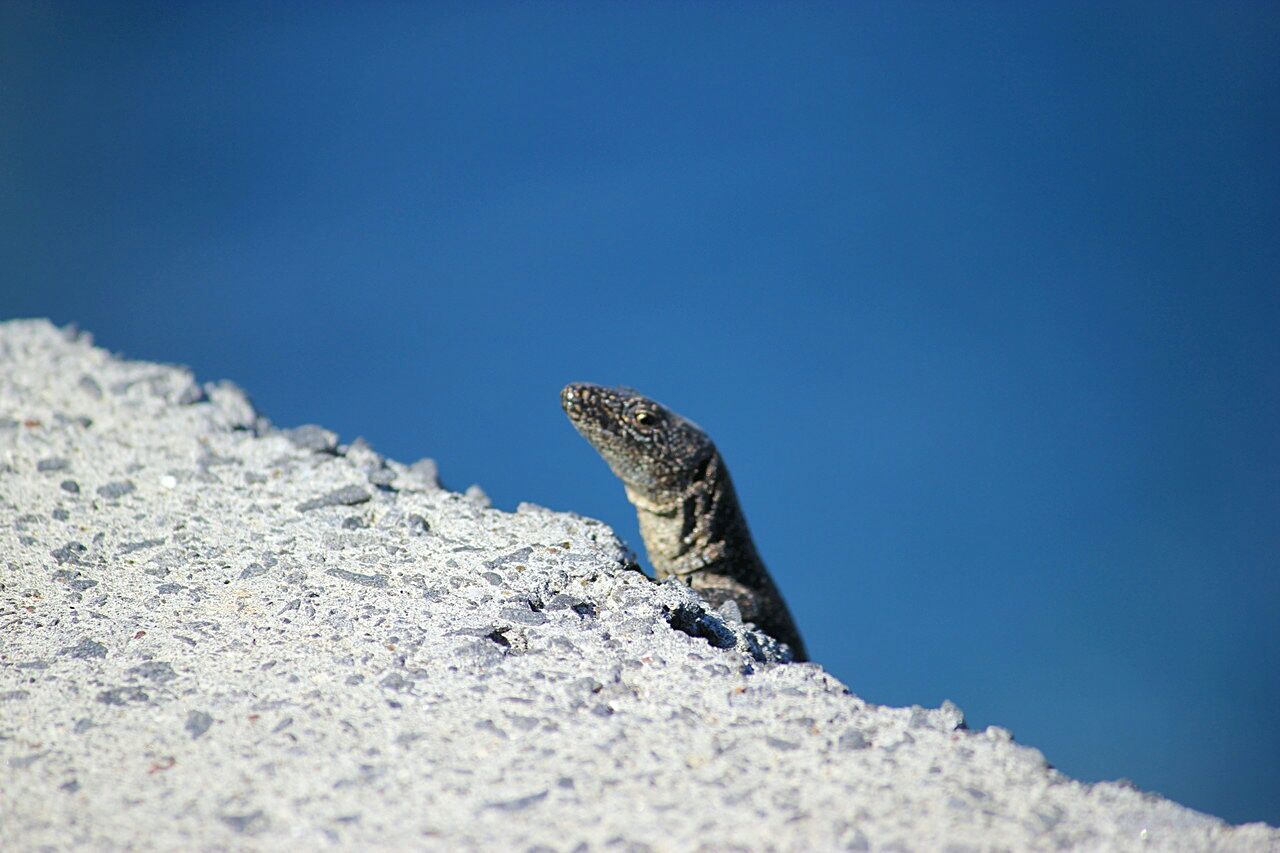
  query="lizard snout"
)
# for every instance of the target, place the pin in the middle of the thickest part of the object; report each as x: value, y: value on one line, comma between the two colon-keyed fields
x: 574, y: 397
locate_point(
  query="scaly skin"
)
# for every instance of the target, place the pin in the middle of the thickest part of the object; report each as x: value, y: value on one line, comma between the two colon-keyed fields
x: 692, y: 525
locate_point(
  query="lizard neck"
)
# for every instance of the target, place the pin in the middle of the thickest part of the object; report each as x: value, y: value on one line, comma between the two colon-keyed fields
x: 699, y: 530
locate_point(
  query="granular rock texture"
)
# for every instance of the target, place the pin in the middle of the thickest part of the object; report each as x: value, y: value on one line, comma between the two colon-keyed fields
x: 215, y: 634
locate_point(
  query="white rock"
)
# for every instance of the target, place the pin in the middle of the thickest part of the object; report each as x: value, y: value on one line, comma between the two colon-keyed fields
x: 262, y: 645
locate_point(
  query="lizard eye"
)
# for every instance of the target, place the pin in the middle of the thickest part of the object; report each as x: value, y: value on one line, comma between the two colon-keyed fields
x: 645, y: 418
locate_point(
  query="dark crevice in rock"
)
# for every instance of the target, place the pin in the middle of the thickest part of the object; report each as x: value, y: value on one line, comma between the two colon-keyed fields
x: 696, y: 622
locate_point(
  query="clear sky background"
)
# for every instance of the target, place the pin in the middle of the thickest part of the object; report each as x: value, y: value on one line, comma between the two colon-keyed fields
x: 981, y: 303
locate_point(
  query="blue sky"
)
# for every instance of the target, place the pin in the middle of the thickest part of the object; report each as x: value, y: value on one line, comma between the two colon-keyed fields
x: 980, y: 303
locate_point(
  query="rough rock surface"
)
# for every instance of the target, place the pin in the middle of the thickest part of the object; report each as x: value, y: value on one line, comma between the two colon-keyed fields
x: 214, y: 634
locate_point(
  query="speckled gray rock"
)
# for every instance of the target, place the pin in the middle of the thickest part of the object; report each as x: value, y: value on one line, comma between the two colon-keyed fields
x: 218, y: 635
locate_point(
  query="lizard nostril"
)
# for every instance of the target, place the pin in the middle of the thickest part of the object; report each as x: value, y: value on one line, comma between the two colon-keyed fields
x: 576, y: 396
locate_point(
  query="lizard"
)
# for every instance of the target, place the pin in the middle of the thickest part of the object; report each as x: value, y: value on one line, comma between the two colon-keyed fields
x: 690, y: 519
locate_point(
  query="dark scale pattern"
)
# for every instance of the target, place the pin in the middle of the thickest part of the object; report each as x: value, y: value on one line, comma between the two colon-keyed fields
x: 692, y: 525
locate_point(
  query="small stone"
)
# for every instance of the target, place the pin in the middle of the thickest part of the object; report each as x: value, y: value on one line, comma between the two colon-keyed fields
x: 91, y: 387
x: 56, y: 463
x: 730, y: 612
x: 198, y: 722
x: 141, y: 545
x: 518, y: 804
x: 70, y: 486
x: 587, y: 684
x: 69, y: 553
x: 518, y: 556
x: 522, y: 722
x: 396, y: 682
x: 354, y: 522
x: 853, y: 739
x: 952, y: 716
x: 492, y: 728
x: 158, y: 671
x: 60, y: 514
x: 427, y: 472
x: 193, y: 393
x: 314, y: 438
x: 209, y: 459
x: 245, y: 823
x: 633, y: 627
x: 524, y: 615
x: 564, y: 645
x: 346, y: 496
x: 25, y: 761
x: 123, y: 696
x: 356, y: 577
x: 560, y: 601
x: 116, y: 489
x: 85, y: 649
x: 253, y: 570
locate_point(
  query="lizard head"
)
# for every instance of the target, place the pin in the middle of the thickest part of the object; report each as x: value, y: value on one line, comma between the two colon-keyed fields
x: 656, y: 453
